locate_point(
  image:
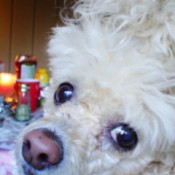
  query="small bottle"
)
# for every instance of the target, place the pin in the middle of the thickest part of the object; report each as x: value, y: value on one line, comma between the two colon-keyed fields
x: 25, y: 66
x: 43, y: 76
x: 23, y: 109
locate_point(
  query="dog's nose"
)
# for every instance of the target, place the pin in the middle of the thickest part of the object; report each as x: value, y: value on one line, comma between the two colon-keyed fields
x: 42, y: 149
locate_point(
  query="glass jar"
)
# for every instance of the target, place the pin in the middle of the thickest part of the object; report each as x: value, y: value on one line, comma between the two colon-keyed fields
x: 23, y: 109
x: 25, y: 66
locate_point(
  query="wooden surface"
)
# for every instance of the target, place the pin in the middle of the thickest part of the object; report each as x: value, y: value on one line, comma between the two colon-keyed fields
x: 25, y: 26
x: 5, y: 31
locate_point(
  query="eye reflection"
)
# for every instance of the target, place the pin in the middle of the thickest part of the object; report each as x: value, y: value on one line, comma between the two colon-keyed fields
x: 124, y: 136
x: 63, y: 94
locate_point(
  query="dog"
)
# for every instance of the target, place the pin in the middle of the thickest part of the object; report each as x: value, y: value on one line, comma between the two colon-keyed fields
x: 110, y: 105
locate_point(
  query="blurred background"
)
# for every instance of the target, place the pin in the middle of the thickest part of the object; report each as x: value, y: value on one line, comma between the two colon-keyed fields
x: 25, y: 27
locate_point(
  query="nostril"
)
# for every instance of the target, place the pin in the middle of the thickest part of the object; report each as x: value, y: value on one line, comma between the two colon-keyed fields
x: 42, y: 149
x: 43, y: 157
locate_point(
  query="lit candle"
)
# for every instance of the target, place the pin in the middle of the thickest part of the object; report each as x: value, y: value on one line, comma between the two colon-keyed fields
x: 7, y: 81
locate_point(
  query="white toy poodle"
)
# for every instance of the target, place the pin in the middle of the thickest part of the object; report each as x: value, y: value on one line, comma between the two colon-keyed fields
x: 110, y: 108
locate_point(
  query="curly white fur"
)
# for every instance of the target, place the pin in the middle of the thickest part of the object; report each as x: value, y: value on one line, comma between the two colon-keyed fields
x: 120, y: 57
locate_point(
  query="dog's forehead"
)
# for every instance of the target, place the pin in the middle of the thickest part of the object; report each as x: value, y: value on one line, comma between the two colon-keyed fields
x: 101, y: 60
x: 97, y: 53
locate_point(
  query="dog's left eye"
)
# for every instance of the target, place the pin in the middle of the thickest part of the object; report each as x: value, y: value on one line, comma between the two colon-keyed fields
x: 124, y: 136
x: 63, y: 93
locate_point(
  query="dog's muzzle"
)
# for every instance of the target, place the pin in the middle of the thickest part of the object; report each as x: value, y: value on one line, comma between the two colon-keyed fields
x: 42, y: 149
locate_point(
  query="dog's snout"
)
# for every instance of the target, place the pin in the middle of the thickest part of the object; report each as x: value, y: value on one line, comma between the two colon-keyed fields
x: 42, y: 149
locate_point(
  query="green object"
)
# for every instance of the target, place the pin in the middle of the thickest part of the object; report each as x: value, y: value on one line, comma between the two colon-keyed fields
x: 23, y: 110
x: 28, y: 71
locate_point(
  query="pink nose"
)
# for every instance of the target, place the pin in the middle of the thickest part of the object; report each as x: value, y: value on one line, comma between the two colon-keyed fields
x: 42, y: 149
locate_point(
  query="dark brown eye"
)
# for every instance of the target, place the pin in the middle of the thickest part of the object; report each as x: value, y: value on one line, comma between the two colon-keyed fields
x: 63, y: 94
x: 124, y: 136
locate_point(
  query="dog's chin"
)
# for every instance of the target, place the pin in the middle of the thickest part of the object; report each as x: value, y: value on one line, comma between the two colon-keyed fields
x: 28, y: 170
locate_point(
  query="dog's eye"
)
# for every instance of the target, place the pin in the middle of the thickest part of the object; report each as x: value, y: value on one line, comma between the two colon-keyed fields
x: 124, y: 136
x: 63, y: 93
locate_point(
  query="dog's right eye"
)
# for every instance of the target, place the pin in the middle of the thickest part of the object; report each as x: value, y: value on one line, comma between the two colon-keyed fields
x: 124, y: 136
x: 63, y: 93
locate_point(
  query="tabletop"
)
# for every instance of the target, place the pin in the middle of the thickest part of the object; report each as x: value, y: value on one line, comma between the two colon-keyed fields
x: 9, y: 131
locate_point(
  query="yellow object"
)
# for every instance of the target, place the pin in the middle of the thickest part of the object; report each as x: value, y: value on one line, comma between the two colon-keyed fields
x: 43, y: 76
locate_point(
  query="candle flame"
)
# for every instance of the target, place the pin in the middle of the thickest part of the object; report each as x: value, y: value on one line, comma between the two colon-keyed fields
x: 7, y: 81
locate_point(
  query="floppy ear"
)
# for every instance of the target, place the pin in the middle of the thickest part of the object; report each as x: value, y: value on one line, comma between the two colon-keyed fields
x: 155, y: 20
x: 152, y: 19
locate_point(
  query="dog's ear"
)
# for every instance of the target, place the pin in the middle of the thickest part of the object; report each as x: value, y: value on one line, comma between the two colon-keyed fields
x: 153, y: 20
